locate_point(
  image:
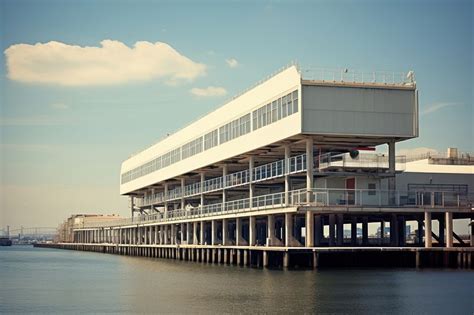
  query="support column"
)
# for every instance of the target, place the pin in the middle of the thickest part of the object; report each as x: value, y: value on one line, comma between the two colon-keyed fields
x: 287, y: 176
x: 213, y: 232
x: 288, y: 229
x: 251, y: 185
x: 394, y: 237
x: 365, y: 231
x: 173, y: 235
x: 195, y: 235
x: 354, y: 231
x: 182, y: 194
x: 239, y: 241
x: 224, y: 184
x: 225, y: 236
x: 203, y: 179
x: 441, y: 231
x: 419, y: 233
x: 391, y: 165
x: 309, y: 169
x: 273, y: 240
x: 382, y: 231
x: 252, y: 234
x: 309, y: 237
x: 449, y: 229
x: 132, y: 205
x: 188, y: 233
x: 182, y: 233
x: 332, y: 228
x: 340, y: 229
x: 402, y: 231
x: 318, y: 230
x: 428, y: 239
x: 201, y: 237
x: 166, y: 199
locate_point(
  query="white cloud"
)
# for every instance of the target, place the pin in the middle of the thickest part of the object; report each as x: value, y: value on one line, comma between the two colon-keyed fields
x: 209, y: 91
x: 438, y: 106
x: 60, y: 106
x: 232, y: 63
x: 111, y: 63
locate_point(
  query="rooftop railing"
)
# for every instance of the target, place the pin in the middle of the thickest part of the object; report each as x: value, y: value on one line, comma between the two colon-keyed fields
x: 323, y: 198
x: 357, y: 76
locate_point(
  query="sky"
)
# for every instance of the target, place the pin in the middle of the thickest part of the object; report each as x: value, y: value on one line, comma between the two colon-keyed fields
x: 84, y: 84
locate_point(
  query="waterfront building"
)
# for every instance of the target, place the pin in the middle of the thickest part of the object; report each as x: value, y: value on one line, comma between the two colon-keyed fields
x: 280, y: 171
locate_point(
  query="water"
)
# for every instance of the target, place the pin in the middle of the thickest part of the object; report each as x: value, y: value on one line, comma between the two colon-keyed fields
x: 59, y: 281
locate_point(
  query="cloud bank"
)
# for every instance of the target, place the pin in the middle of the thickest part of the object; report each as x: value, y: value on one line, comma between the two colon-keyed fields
x: 209, y: 91
x: 111, y: 63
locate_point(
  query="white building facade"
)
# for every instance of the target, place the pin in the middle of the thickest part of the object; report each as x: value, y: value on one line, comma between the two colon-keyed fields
x: 287, y: 164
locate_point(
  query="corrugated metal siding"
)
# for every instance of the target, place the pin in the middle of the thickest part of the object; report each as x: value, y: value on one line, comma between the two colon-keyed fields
x: 359, y: 111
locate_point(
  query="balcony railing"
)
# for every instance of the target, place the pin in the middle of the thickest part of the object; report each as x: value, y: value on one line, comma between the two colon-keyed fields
x: 378, y: 198
x: 324, y: 198
x: 260, y: 173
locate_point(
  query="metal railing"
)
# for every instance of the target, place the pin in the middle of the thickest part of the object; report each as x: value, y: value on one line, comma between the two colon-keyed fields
x: 328, y: 198
x: 297, y: 164
x: 357, y: 76
x: 260, y: 173
x: 378, y: 198
x: 237, y: 179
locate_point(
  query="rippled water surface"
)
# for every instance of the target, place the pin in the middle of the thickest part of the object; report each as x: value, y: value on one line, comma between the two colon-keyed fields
x: 59, y: 281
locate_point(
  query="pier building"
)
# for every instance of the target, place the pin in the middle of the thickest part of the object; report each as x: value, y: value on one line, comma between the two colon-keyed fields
x: 275, y: 176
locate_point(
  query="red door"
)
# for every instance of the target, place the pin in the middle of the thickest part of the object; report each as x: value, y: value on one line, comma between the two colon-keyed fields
x: 350, y: 186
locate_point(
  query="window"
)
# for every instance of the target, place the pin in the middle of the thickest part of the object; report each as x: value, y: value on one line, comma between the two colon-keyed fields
x: 295, y: 101
x: 284, y: 109
x: 210, y: 140
x: 254, y: 119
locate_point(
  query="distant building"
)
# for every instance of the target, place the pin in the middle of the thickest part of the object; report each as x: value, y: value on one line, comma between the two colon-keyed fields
x: 75, y: 221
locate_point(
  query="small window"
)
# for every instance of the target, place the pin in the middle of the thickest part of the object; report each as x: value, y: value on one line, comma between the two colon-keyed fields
x: 372, y: 189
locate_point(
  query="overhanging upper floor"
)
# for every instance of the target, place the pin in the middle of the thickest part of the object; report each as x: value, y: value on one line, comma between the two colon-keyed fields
x: 285, y: 107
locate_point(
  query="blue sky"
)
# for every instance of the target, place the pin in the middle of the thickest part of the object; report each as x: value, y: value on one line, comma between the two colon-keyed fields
x: 61, y: 146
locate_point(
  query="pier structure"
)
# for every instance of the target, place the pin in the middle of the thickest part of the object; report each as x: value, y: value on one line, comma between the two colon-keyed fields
x: 286, y: 174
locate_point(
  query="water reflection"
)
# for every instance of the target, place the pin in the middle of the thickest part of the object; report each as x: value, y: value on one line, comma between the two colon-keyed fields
x: 40, y: 280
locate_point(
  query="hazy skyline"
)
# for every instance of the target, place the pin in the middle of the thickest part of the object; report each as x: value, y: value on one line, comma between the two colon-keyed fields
x: 85, y: 84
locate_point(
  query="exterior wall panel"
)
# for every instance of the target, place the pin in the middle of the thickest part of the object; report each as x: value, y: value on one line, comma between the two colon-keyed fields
x: 339, y: 110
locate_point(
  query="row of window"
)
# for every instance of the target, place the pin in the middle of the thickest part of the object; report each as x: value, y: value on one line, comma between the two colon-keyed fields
x: 234, y: 129
x: 276, y: 110
x: 192, y: 148
x: 265, y: 115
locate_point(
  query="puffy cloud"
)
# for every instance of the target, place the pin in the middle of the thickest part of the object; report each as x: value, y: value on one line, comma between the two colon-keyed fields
x: 209, y: 91
x: 111, y: 63
x: 233, y: 63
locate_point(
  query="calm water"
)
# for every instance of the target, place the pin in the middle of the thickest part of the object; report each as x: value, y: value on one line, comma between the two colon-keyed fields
x: 59, y: 281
